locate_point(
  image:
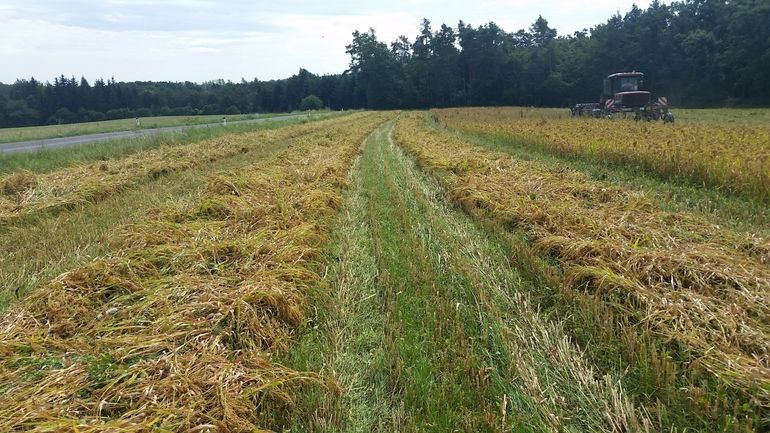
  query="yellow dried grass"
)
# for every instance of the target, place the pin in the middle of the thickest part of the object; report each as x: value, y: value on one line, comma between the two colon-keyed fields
x: 24, y: 193
x: 176, y: 330
x: 735, y: 159
x: 691, y: 282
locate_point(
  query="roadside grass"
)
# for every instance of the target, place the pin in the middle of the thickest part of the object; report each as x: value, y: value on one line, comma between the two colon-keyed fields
x: 669, y: 194
x: 51, y: 159
x: 10, y: 135
x: 426, y: 327
x: 662, y: 375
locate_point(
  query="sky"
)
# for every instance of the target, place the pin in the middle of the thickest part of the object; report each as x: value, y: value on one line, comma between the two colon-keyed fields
x: 202, y: 40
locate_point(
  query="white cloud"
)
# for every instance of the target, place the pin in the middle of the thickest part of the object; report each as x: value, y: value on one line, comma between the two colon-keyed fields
x: 204, y: 39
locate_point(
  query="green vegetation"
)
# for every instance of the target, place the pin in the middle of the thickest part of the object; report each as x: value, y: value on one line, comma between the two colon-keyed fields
x: 50, y: 159
x: 10, y: 135
x: 636, y: 286
x: 377, y: 272
x: 311, y: 102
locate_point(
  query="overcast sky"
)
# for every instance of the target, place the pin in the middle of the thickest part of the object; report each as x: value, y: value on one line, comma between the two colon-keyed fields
x: 201, y: 40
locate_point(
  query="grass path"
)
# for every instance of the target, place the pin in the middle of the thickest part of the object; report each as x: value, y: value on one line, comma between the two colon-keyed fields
x: 426, y: 326
x: 347, y: 339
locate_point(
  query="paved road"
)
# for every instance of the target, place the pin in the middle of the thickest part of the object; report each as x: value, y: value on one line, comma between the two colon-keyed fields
x: 52, y: 143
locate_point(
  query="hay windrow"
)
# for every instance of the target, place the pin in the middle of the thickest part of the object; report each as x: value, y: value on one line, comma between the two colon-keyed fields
x: 18, y: 186
x: 176, y: 330
x: 24, y: 193
x: 702, y: 287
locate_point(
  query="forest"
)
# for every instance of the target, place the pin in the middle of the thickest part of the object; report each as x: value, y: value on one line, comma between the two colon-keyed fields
x: 698, y: 53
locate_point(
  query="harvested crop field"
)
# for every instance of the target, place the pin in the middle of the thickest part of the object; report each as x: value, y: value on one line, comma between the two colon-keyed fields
x: 485, y: 269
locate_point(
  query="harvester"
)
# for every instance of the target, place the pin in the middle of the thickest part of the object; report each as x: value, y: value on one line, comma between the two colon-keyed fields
x: 624, y: 94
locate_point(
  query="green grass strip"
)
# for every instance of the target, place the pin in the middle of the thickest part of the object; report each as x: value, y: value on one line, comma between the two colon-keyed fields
x: 25, y: 133
x: 51, y: 159
x: 346, y: 340
x: 425, y: 327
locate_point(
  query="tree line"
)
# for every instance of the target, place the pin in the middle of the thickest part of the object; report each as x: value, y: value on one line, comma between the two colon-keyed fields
x: 67, y: 100
x: 696, y: 52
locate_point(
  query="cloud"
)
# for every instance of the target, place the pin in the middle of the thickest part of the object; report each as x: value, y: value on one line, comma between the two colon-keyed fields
x: 201, y: 40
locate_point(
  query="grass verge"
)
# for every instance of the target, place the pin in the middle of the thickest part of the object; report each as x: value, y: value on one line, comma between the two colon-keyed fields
x: 51, y: 159
x: 10, y: 135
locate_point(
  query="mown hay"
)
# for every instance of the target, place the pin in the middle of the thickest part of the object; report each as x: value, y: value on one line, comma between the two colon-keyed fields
x: 18, y: 184
x: 730, y: 158
x: 702, y: 287
x: 24, y: 193
x: 177, y: 329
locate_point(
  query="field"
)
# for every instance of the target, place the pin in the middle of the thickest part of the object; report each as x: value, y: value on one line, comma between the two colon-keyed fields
x: 53, y: 158
x: 8, y: 135
x: 478, y: 269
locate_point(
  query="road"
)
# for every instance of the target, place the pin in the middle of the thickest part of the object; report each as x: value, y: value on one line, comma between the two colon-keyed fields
x: 53, y: 143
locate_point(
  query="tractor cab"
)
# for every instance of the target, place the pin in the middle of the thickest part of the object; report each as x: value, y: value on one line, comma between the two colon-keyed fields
x: 625, y: 91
